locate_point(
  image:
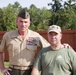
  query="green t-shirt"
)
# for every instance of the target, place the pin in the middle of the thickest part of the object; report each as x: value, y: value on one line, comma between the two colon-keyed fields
x: 56, y: 62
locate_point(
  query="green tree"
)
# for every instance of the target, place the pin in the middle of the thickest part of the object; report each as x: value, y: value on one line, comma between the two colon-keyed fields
x: 35, y: 16
x: 65, y: 17
x: 56, y: 6
x: 9, y: 14
x: 45, y: 16
x: 17, y: 6
x: 9, y: 18
x: 39, y: 17
x: 1, y: 19
x: 69, y: 7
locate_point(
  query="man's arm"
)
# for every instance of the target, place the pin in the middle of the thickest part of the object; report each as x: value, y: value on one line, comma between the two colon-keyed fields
x: 1, y: 61
x: 35, y: 71
x: 2, y: 67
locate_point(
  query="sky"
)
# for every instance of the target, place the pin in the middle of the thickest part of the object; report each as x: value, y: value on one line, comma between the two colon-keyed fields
x: 27, y: 3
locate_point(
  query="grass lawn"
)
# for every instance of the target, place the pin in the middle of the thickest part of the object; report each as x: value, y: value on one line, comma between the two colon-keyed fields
x: 6, y: 65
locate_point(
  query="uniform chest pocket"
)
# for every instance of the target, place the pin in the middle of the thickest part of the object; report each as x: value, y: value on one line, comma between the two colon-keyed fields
x: 31, y: 45
x: 12, y: 46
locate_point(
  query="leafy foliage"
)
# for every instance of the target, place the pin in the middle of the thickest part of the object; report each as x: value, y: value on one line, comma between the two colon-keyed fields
x: 63, y: 15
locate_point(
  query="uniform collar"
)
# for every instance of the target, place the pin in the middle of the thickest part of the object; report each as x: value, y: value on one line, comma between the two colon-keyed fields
x: 16, y: 34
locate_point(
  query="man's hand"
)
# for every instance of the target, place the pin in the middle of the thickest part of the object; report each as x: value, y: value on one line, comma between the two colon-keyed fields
x: 66, y: 45
x: 5, y: 71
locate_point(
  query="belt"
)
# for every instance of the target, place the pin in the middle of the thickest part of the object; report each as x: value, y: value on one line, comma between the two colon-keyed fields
x: 21, y: 67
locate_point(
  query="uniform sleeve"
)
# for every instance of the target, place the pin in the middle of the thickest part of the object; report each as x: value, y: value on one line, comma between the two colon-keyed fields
x: 72, y: 55
x: 3, y: 44
x: 43, y: 42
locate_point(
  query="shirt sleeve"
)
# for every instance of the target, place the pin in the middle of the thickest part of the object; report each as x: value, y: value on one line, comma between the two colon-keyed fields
x: 3, y: 44
x: 37, y: 63
x: 72, y: 55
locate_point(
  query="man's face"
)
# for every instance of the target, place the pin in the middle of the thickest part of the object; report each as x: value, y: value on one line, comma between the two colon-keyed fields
x: 22, y: 24
x: 54, y: 38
